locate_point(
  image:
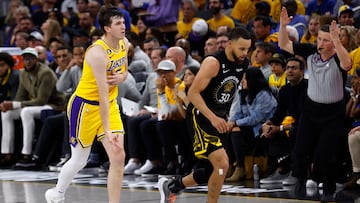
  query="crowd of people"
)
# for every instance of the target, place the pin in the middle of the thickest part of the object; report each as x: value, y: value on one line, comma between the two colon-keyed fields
x: 215, y: 82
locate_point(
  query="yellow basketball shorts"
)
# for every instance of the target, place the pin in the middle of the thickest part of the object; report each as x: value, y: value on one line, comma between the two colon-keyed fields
x: 85, y: 121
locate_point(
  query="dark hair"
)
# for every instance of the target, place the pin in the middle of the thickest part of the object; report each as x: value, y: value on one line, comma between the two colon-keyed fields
x: 265, y: 20
x: 291, y: 7
x: 194, y: 70
x: 64, y: 48
x: 239, y: 32
x: 96, y: 32
x: 162, y: 52
x: 106, y: 15
x: 325, y: 28
x: 7, y: 58
x: 266, y: 46
x: 255, y: 82
x: 302, y: 65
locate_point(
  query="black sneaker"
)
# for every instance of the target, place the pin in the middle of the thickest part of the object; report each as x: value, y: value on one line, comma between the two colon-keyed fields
x: 172, y: 170
x: 154, y: 172
x: 26, y: 163
x: 7, y: 161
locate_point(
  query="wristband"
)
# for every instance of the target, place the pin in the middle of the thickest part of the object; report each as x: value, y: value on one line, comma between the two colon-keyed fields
x: 16, y: 104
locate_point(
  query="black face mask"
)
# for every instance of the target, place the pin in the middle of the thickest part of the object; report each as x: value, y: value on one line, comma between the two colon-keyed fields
x: 215, y: 10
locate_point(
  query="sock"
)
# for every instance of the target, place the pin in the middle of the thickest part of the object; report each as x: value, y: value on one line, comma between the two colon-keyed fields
x: 177, y: 185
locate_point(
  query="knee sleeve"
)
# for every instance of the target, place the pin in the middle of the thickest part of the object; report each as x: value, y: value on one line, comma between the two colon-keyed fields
x: 202, y: 175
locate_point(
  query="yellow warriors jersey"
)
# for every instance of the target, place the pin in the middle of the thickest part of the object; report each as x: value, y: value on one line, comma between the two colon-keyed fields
x: 277, y: 82
x: 87, y: 87
x: 171, y: 97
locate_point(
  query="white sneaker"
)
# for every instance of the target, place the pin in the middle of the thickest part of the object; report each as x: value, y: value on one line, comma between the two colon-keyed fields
x: 311, y: 184
x: 275, y: 178
x: 145, y: 168
x: 131, y: 166
x: 53, y: 196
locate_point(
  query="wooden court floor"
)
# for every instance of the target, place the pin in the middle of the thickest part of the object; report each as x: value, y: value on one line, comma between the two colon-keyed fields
x: 90, y: 187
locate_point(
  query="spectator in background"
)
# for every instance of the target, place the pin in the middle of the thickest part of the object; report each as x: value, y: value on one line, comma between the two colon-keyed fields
x: 54, y: 44
x: 218, y: 17
x: 139, y: 54
x: 94, y: 7
x: 52, y: 142
x: 184, y: 25
x: 51, y: 29
x: 312, y: 30
x: 35, y: 39
x: 178, y: 56
x: 171, y: 127
x: 348, y: 37
x: 276, y: 6
x: 10, y: 18
x: 297, y: 21
x: 48, y: 9
x: 245, y: 10
x: 346, y: 16
x: 355, y: 55
x: 262, y: 55
x: 210, y: 46
x: 197, y: 38
x: 150, y: 44
x: 9, y: 78
x: 95, y: 35
x: 280, y: 130
x: 42, y: 54
x: 255, y: 104
x: 352, y: 4
x: 31, y: 98
x: 164, y: 16
x: 353, y: 111
x: 63, y: 58
x: 189, y: 61
x: 222, y: 40
x: 21, y: 40
x: 262, y: 8
x: 20, y: 12
x: 262, y: 29
x: 320, y: 7
x: 141, y: 123
x: 277, y: 79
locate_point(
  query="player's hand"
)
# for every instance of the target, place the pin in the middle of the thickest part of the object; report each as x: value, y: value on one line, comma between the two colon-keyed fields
x: 115, y: 78
x: 116, y: 139
x: 220, y: 124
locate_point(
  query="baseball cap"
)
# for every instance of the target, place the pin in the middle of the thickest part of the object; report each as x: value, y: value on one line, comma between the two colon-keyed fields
x: 31, y: 51
x: 279, y: 59
x: 200, y: 27
x: 36, y: 35
x: 345, y: 8
x: 166, y: 65
x: 262, y: 4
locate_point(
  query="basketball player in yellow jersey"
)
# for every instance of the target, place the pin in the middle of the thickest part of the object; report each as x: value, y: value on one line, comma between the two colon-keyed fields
x: 92, y: 109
